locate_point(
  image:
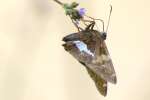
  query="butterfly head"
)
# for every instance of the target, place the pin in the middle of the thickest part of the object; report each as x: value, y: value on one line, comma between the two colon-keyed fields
x: 103, y: 35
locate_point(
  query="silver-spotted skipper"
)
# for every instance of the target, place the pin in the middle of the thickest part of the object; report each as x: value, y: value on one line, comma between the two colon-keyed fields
x: 89, y: 48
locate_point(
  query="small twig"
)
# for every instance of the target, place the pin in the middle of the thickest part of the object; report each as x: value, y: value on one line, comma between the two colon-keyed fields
x: 75, y: 18
x: 60, y: 3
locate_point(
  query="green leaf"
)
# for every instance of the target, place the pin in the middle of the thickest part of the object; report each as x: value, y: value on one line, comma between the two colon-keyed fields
x: 74, y: 5
x: 66, y: 6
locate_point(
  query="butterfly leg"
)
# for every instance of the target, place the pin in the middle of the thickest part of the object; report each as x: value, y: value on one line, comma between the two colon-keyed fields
x: 96, y: 19
x: 90, y: 26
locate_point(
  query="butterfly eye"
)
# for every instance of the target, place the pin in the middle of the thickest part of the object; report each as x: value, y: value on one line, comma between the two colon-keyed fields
x: 103, y: 35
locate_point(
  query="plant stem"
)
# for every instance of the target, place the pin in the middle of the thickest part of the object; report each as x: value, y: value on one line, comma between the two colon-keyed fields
x: 60, y: 3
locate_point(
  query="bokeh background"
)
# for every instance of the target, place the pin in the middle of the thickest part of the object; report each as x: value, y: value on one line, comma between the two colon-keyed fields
x: 34, y: 65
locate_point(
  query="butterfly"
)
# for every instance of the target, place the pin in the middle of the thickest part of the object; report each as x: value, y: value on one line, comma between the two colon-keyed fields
x: 89, y: 48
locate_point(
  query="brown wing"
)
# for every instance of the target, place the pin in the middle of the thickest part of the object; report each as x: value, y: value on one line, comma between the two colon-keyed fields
x: 96, y: 58
x: 101, y: 62
x: 100, y: 83
x: 103, y: 66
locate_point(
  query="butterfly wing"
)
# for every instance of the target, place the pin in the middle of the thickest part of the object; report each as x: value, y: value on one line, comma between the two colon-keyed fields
x: 100, y: 83
x: 90, y: 50
x: 103, y: 66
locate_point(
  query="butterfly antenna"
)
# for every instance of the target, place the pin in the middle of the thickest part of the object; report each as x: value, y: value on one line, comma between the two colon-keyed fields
x: 109, y: 18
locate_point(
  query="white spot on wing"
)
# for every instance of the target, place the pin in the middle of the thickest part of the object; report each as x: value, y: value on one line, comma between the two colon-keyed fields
x: 83, y: 47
